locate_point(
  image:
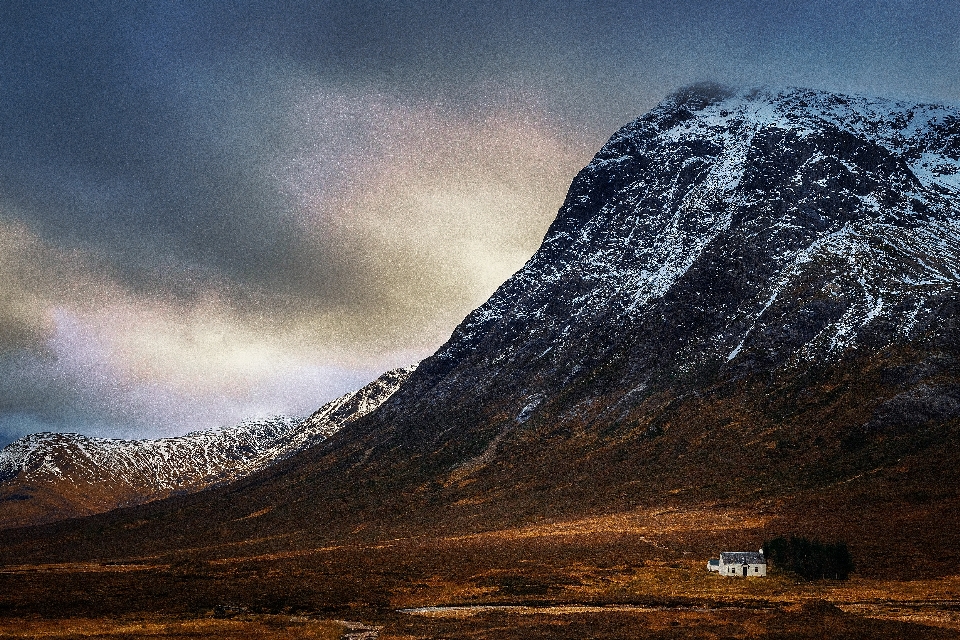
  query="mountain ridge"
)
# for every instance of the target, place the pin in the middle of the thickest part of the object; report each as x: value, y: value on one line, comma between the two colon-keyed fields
x: 70, y: 474
x: 701, y: 329
x: 608, y: 266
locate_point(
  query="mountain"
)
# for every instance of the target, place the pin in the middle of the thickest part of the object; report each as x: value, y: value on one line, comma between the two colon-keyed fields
x: 748, y: 301
x: 747, y: 297
x: 720, y: 234
x: 51, y: 476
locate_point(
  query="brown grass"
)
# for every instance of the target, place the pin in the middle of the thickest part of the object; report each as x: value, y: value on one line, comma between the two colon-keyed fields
x: 246, y: 627
x: 635, y: 574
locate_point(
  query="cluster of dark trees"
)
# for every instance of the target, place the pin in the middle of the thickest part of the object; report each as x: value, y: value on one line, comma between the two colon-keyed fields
x: 810, y: 559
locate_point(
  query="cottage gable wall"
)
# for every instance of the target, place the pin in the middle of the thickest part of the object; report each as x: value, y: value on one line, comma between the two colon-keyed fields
x: 747, y: 564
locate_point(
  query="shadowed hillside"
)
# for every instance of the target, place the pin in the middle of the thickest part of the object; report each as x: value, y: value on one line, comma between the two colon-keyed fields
x: 745, y: 313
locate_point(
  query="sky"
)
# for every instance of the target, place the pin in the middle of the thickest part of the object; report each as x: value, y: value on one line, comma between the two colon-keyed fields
x: 215, y: 211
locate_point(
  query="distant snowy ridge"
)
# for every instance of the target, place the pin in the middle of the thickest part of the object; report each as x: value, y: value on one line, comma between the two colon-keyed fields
x: 163, y: 464
x: 143, y: 470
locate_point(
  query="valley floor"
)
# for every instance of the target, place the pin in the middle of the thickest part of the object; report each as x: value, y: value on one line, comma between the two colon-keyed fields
x: 632, y: 575
x: 860, y: 609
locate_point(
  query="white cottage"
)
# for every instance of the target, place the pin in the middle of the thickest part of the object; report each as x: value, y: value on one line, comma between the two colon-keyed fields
x: 740, y: 563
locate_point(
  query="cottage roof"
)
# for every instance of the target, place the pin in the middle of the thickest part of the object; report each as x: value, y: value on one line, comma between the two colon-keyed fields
x: 742, y: 557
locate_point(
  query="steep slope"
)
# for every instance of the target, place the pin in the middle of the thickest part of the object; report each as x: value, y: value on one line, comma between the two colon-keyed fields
x: 748, y: 299
x: 724, y: 231
x: 50, y: 476
x: 746, y: 296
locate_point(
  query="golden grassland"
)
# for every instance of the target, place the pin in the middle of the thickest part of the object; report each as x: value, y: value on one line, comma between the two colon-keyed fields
x: 637, y: 574
x: 252, y: 627
x: 674, y: 599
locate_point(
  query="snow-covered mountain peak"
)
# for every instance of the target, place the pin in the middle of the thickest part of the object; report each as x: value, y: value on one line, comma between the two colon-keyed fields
x: 788, y: 224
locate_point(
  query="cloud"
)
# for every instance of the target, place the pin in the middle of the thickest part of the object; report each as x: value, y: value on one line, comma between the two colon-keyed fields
x: 416, y: 212
x: 82, y: 352
x: 210, y: 211
x: 386, y: 220
x: 33, y: 275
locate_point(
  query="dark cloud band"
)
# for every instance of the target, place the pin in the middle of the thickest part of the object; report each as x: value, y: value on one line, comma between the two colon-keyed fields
x: 312, y: 191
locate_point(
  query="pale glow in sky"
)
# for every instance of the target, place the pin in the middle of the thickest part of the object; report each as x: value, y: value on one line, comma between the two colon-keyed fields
x: 213, y: 211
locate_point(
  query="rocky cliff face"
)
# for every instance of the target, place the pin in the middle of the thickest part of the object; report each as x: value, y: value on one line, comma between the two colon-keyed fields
x: 50, y: 476
x: 726, y: 235
x: 747, y: 299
